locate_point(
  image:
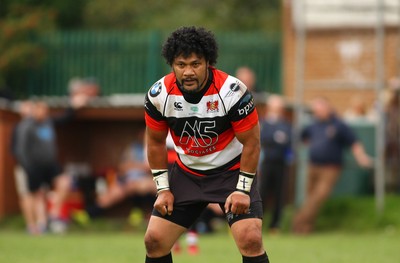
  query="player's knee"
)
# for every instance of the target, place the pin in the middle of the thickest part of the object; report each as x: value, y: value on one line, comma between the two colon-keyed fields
x: 250, y: 242
x: 152, y: 242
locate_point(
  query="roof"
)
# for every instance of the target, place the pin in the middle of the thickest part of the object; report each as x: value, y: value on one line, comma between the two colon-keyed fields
x: 113, y: 101
x: 333, y: 14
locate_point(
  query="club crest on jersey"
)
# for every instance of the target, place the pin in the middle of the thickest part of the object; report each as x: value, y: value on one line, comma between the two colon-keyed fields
x: 155, y: 89
x: 212, y: 106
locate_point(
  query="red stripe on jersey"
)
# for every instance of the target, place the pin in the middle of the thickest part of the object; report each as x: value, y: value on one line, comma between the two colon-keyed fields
x: 154, y: 124
x: 247, y: 123
x: 219, y: 80
x: 170, y: 84
x: 224, y: 139
x: 186, y: 169
x: 172, y: 156
x: 235, y: 167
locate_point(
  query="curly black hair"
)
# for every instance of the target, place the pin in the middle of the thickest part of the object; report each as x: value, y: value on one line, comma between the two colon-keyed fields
x: 187, y: 40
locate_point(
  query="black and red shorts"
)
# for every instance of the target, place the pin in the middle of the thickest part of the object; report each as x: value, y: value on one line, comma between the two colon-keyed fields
x: 193, y: 193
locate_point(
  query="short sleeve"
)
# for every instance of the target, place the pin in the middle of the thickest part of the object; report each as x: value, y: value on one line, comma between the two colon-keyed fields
x: 243, y: 115
x: 153, y: 118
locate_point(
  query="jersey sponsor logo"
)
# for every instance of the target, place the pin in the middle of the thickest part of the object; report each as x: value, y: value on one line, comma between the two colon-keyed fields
x: 199, y: 137
x: 233, y: 88
x: 212, y: 106
x: 246, y: 105
x: 155, y: 89
x: 178, y: 106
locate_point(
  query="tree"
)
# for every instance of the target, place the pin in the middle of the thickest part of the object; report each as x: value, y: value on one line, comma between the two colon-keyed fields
x: 19, y: 50
x: 68, y: 13
x: 166, y: 15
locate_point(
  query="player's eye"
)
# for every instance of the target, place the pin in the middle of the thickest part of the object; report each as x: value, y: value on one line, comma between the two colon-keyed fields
x: 196, y: 64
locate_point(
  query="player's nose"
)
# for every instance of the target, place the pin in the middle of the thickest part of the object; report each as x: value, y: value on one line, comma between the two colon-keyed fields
x: 188, y: 72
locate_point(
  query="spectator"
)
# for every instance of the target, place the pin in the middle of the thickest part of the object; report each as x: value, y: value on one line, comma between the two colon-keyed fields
x: 328, y: 137
x: 87, y: 86
x: 35, y: 224
x: 392, y: 129
x: 275, y: 145
x: 248, y: 77
x: 37, y: 153
x: 134, y: 180
x: 359, y: 112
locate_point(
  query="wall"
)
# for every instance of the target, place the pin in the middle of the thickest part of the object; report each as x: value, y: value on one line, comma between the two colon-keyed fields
x: 339, y: 63
x: 8, y: 196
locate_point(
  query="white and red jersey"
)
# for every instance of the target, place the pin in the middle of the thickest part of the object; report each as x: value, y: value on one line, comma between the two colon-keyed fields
x: 203, y: 125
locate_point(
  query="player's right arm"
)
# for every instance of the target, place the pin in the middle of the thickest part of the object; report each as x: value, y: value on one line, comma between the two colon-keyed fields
x: 158, y: 161
x: 156, y: 134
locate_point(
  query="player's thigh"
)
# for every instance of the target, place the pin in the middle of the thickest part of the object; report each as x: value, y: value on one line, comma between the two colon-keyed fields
x: 161, y: 234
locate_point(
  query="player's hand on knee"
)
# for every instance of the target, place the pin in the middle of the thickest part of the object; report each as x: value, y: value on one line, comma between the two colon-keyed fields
x: 164, y: 203
x: 237, y: 203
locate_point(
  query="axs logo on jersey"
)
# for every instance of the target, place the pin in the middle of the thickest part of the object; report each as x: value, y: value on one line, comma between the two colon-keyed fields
x: 246, y: 105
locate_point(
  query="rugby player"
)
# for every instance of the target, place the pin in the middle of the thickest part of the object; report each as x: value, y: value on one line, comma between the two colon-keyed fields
x: 214, y: 125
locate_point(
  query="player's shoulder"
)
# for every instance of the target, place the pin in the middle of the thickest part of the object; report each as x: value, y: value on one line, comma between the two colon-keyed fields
x: 161, y: 87
x: 230, y: 88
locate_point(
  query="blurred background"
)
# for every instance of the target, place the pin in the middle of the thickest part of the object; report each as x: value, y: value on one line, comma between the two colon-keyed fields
x: 109, y: 52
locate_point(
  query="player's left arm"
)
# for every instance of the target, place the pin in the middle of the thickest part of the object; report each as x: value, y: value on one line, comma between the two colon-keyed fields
x: 251, y: 149
x: 239, y: 201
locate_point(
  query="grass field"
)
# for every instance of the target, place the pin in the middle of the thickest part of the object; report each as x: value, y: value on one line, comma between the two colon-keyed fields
x: 16, y: 247
x: 348, y: 231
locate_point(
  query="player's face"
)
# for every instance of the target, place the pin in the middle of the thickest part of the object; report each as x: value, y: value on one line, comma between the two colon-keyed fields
x: 191, y: 72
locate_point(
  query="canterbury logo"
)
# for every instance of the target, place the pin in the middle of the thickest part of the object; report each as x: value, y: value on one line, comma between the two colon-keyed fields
x: 178, y: 106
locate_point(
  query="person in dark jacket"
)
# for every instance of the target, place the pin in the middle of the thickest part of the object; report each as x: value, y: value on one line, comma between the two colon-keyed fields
x: 276, y: 150
x: 36, y: 151
x: 30, y: 210
x: 328, y: 137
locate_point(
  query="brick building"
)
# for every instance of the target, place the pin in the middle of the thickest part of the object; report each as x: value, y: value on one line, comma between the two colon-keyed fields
x: 340, y: 48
